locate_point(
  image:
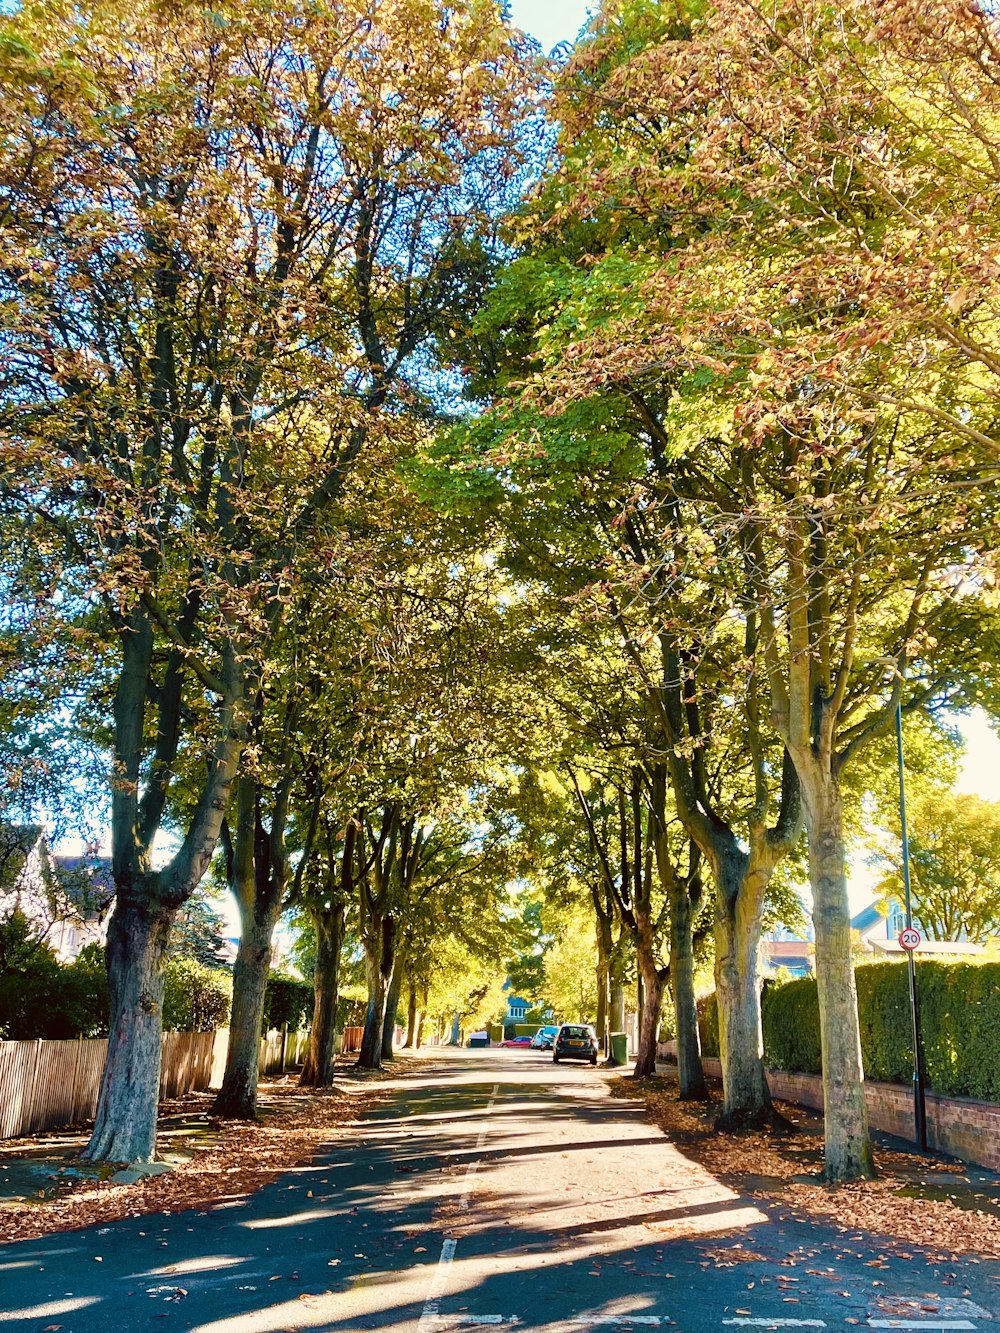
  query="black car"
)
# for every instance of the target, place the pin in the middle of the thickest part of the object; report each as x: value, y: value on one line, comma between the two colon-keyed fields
x: 575, y: 1041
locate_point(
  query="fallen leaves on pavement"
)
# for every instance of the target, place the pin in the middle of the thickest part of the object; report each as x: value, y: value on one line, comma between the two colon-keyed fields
x: 293, y: 1125
x: 786, y: 1171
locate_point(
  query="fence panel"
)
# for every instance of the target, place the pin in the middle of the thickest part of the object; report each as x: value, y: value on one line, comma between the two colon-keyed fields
x: 45, y: 1084
x: 351, y: 1040
x: 18, y: 1060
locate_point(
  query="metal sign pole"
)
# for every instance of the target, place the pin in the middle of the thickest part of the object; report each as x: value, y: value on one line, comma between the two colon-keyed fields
x: 919, y: 1101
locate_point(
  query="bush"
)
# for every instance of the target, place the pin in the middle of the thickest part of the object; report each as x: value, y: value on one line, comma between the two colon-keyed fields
x: 708, y: 1025
x: 959, y: 1019
x: 40, y: 998
x: 287, y: 1000
x: 196, y: 998
x: 791, y: 1026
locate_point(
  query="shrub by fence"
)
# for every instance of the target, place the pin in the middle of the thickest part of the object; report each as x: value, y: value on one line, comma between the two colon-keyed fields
x: 959, y: 1016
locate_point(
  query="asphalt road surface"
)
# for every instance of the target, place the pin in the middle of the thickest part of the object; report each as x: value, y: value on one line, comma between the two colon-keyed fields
x: 491, y: 1189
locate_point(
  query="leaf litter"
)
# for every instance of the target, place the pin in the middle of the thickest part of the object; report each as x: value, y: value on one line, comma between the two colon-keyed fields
x: 293, y: 1125
x: 786, y: 1170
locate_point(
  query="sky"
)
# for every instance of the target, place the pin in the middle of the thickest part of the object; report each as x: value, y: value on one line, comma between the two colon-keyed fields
x: 550, y: 21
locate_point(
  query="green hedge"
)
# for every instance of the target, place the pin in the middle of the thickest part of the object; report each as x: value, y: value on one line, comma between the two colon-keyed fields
x: 960, y: 1025
x: 196, y: 998
x: 288, y: 1000
x: 708, y: 1025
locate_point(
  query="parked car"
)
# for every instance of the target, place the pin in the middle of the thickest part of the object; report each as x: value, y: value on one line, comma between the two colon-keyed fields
x: 543, y: 1039
x: 575, y: 1041
x: 516, y: 1041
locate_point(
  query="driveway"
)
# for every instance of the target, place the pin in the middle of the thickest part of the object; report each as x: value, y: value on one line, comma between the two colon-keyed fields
x: 490, y: 1189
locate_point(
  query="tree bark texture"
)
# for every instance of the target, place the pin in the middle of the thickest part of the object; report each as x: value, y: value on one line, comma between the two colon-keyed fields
x: 370, y: 1055
x: 125, y: 1127
x: 654, y: 980
x: 393, y: 994
x: 237, y: 1098
x: 617, y: 1009
x: 318, y: 1069
x: 738, y: 902
x: 690, y: 1074
x: 257, y: 874
x: 848, y: 1153
x: 411, y: 1018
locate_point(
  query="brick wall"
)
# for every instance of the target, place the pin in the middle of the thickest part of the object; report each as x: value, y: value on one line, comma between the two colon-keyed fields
x: 958, y: 1126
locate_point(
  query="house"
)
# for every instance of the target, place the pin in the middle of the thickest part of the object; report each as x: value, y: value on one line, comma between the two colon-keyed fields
x: 516, y: 1009
x: 788, y: 952
x: 879, y: 931
x: 796, y: 957
x: 66, y: 899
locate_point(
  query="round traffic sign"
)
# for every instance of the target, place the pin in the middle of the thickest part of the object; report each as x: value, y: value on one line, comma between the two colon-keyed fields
x: 909, y: 937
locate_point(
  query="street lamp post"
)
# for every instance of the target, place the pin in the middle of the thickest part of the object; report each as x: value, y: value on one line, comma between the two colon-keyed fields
x: 919, y: 1103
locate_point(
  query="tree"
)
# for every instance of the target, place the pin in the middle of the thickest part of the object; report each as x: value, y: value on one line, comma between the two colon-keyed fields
x: 954, y: 864
x: 216, y: 221
x: 571, y: 965
x: 745, y: 285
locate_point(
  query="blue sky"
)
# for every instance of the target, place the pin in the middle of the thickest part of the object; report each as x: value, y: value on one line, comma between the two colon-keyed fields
x: 550, y: 21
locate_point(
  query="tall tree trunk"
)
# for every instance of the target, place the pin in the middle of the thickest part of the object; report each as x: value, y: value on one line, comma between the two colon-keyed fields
x: 653, y: 979
x: 617, y: 1009
x: 420, y: 1028
x: 848, y: 1153
x: 738, y: 902
x: 605, y: 947
x: 411, y: 1017
x: 318, y: 1069
x: 125, y: 1128
x: 370, y: 1055
x: 257, y: 883
x: 393, y: 993
x: 237, y: 1098
x: 690, y: 1074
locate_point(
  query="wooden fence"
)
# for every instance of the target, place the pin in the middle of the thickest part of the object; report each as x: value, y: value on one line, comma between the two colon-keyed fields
x: 45, y: 1084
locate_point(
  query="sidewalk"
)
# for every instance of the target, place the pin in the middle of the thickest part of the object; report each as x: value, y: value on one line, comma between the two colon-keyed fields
x: 917, y: 1198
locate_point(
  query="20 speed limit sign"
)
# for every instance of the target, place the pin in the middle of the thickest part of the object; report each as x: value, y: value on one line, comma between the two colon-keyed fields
x: 909, y: 937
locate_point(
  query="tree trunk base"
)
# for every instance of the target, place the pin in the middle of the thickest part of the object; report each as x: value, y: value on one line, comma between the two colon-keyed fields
x: 743, y: 1121
x: 235, y: 1105
x: 696, y: 1094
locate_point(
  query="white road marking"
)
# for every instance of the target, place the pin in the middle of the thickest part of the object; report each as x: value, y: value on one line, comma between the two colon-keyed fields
x: 920, y: 1323
x: 778, y: 1323
x: 473, y: 1167
x: 457, y: 1320
x: 945, y: 1307
x: 432, y: 1305
x: 654, y: 1320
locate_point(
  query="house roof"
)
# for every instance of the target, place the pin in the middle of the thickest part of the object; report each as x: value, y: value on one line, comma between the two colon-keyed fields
x: 868, y: 916
x: 788, y: 948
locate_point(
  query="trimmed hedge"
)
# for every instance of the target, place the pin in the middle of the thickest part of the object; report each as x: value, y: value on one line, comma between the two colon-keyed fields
x: 708, y: 1025
x: 287, y: 1000
x: 959, y: 1020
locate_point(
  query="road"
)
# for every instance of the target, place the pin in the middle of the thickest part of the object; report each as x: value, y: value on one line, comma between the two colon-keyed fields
x: 489, y: 1189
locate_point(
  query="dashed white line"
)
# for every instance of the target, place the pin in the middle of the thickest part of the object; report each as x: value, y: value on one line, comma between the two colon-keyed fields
x: 473, y: 1167
x: 920, y: 1323
x: 429, y: 1315
x: 777, y: 1323
x: 458, y: 1320
x: 650, y: 1320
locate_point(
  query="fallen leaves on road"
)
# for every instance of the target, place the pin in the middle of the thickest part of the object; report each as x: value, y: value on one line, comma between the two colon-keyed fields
x: 786, y: 1171
x: 293, y: 1125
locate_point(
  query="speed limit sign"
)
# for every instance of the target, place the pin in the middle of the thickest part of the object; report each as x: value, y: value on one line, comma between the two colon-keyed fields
x: 909, y: 937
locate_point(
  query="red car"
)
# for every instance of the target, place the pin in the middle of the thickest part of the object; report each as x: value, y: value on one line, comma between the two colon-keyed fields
x: 516, y: 1041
